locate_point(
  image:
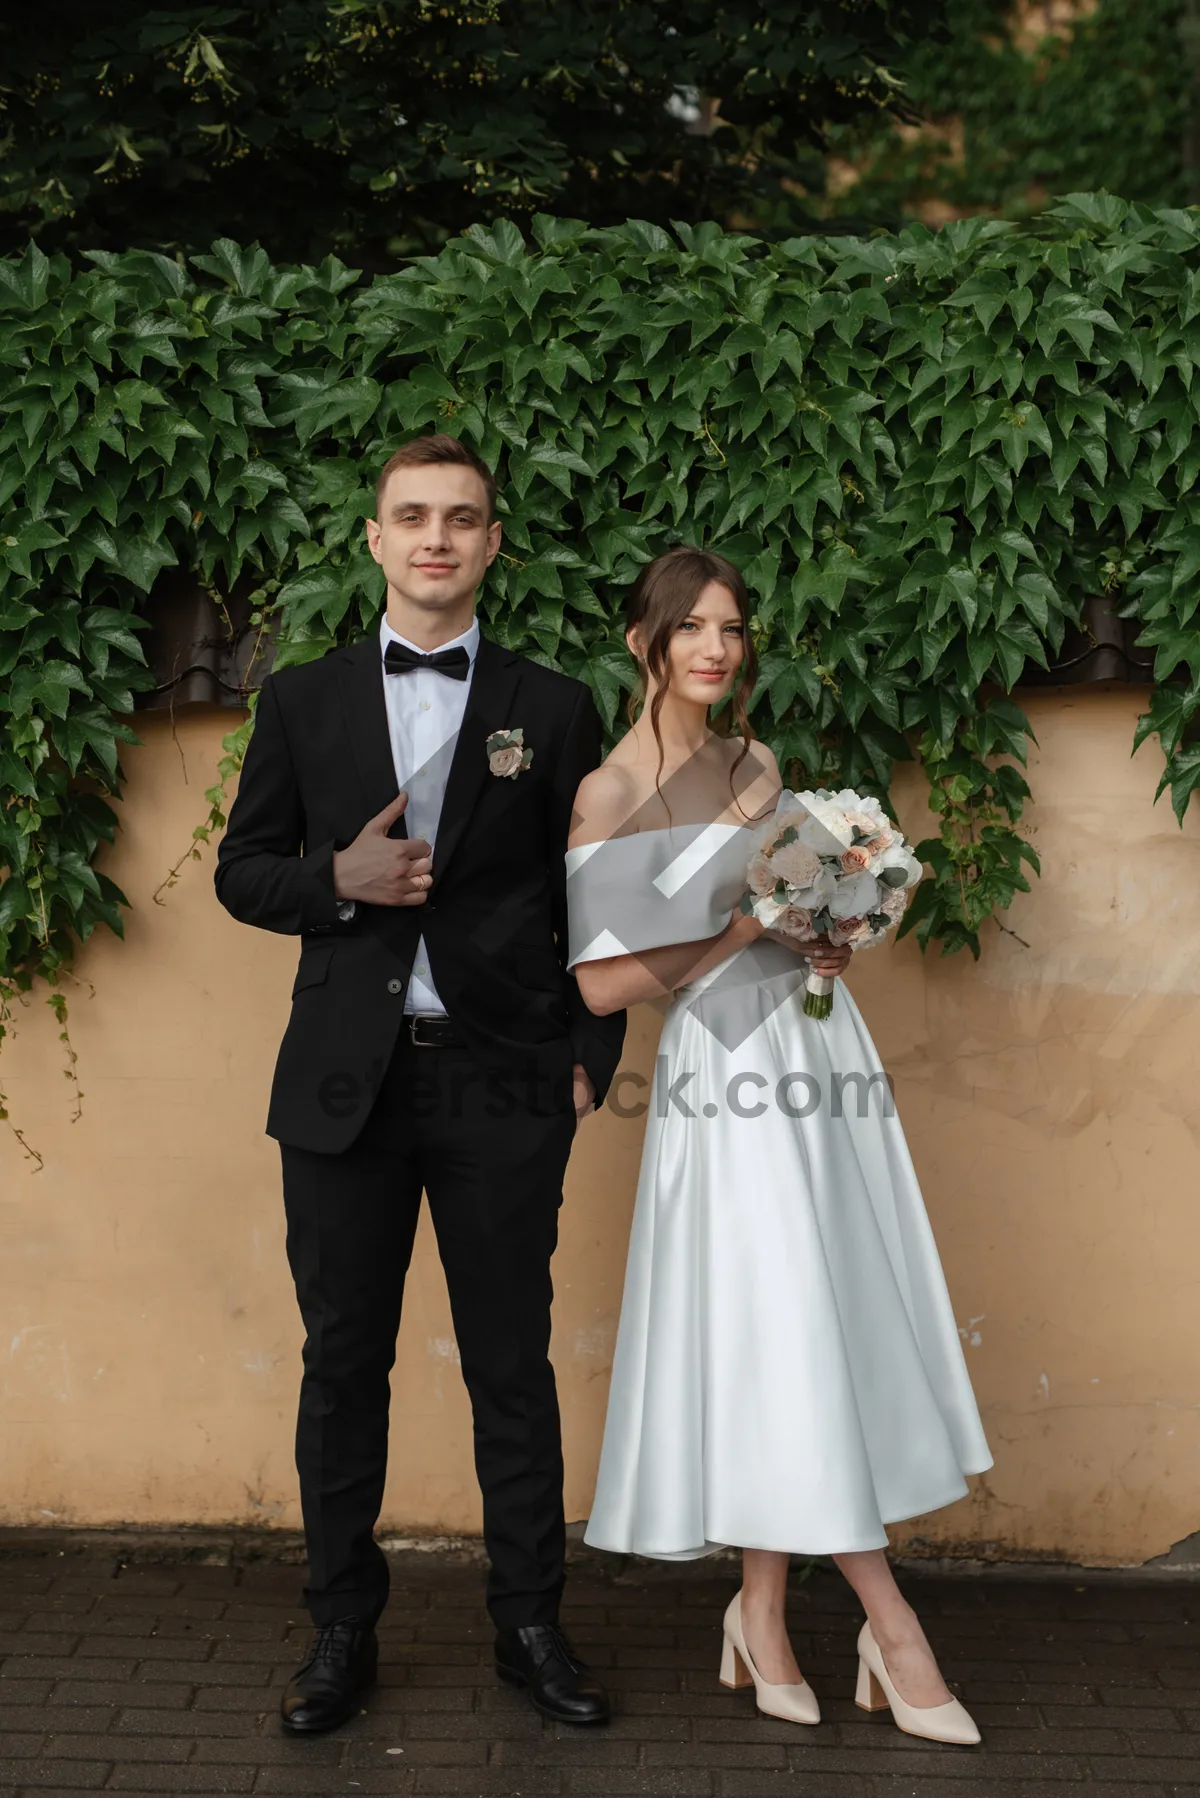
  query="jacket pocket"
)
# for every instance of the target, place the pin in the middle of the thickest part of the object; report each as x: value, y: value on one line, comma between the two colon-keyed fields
x: 538, y: 968
x: 314, y: 965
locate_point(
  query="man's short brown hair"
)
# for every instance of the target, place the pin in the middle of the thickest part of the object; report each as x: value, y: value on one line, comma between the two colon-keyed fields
x: 438, y: 447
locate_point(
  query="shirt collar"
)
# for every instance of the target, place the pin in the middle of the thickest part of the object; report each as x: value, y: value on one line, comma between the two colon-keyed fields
x: 469, y: 639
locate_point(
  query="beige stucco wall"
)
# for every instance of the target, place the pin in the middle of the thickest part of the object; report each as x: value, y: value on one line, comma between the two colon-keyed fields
x: 149, y: 1343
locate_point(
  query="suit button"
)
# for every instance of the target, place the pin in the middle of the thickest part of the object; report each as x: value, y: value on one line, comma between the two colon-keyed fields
x: 395, y: 986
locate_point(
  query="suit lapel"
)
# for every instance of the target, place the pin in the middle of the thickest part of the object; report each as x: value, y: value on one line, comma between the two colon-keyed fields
x: 494, y: 683
x: 360, y: 672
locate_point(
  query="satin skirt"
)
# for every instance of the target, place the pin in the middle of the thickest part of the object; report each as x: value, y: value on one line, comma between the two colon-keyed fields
x: 788, y: 1372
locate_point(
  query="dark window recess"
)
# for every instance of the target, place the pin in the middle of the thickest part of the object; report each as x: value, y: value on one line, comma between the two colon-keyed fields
x: 1100, y: 648
x: 204, y: 650
x: 201, y: 647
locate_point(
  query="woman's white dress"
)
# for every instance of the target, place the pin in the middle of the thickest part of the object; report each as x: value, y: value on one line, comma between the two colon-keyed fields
x: 788, y: 1373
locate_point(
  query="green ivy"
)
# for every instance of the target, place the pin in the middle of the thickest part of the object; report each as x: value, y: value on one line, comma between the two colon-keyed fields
x: 925, y: 451
x: 380, y: 128
x: 1102, y: 100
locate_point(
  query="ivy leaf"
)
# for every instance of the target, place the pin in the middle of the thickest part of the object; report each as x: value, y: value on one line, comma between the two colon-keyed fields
x: 47, y: 685
x: 315, y: 593
x: 609, y: 676
x: 1171, y: 710
x: 83, y: 728
x: 1182, y: 775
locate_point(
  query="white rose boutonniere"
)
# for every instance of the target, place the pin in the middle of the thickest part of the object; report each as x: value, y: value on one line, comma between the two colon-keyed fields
x: 507, y: 754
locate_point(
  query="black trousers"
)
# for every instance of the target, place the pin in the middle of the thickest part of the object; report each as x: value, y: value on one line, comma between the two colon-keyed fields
x: 490, y: 1157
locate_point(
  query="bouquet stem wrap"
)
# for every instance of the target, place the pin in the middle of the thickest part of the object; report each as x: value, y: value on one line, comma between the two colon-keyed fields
x: 818, y: 995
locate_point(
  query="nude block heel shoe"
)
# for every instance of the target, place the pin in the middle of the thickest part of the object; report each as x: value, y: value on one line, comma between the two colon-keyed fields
x: 938, y: 1722
x: 869, y: 1695
x: 794, y: 1704
x: 734, y: 1671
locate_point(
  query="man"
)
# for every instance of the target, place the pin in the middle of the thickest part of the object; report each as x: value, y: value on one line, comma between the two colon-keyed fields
x: 403, y: 808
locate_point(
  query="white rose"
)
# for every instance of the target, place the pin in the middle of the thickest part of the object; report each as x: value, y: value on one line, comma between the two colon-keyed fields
x: 855, y: 895
x: 768, y: 911
x: 869, y: 807
x: 836, y: 822
x: 828, y: 817
x: 898, y: 855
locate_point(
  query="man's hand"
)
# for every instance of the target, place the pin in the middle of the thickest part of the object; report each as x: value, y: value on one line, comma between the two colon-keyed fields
x: 584, y: 1091
x: 381, y: 870
x: 822, y: 956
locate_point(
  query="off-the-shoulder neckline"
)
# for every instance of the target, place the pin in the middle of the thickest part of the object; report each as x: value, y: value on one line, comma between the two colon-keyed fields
x: 663, y: 830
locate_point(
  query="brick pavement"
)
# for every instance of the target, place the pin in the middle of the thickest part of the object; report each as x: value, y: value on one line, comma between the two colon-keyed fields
x: 126, y: 1670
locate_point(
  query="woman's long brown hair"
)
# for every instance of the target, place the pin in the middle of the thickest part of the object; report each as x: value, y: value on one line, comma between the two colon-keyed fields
x: 664, y: 594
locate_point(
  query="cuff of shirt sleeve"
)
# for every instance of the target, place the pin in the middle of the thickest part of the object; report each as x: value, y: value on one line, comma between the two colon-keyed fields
x: 323, y: 911
x: 585, y: 1058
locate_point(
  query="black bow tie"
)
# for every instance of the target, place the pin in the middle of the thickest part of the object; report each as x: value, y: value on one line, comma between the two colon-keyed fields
x: 398, y: 658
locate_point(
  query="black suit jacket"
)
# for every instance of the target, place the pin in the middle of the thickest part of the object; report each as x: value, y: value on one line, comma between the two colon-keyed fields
x: 317, y: 767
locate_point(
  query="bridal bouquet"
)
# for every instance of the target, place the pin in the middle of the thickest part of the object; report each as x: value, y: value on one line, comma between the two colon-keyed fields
x: 833, y: 865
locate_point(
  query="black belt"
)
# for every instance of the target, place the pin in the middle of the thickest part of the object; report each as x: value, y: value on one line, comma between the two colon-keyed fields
x: 429, y: 1031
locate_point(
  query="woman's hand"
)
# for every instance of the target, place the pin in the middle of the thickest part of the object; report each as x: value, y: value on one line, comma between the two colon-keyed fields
x: 584, y: 1091
x: 823, y: 956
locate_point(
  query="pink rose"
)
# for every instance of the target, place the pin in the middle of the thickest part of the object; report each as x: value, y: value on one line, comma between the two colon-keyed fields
x: 793, y: 920
x: 761, y: 876
x: 855, y: 860
x: 506, y: 762
x: 848, y: 930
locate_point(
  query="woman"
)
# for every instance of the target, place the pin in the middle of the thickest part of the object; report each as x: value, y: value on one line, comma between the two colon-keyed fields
x: 788, y: 1375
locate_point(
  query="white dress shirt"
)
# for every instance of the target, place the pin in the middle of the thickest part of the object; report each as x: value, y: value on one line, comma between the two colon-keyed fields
x: 425, y: 712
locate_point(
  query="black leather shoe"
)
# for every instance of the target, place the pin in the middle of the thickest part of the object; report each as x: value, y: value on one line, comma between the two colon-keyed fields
x: 324, y: 1691
x: 540, y: 1658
